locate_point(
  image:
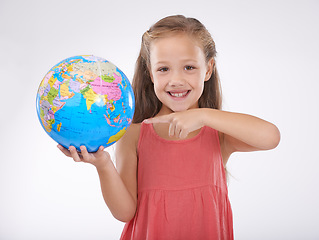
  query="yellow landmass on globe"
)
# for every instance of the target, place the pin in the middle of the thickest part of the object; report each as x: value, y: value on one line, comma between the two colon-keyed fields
x: 45, y: 98
x: 69, y: 68
x: 64, y: 90
x: 59, y: 126
x: 47, y: 124
x: 90, y: 97
x: 46, y: 127
x: 51, y: 81
x: 117, y: 136
x: 111, y: 106
x: 105, y: 99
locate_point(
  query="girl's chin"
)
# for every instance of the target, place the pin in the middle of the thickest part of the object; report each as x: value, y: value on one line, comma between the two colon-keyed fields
x: 166, y: 109
x: 181, y: 108
x: 171, y: 109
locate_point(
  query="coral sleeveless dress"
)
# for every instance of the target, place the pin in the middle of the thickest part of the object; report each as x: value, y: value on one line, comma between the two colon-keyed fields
x: 182, y: 189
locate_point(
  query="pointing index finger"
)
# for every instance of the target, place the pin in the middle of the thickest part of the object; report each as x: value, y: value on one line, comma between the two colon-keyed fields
x: 160, y: 119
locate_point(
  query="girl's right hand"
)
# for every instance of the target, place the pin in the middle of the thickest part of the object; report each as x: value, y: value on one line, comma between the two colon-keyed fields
x: 99, y: 159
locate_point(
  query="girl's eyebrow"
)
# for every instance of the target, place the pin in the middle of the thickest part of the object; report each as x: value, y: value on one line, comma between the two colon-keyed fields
x: 189, y: 60
x: 160, y: 62
x: 183, y: 60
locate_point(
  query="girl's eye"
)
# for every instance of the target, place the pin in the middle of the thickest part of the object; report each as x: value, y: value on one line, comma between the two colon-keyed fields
x: 189, y: 67
x: 163, y: 69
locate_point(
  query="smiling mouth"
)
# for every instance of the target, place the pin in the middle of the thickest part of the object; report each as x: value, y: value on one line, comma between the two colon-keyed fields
x: 179, y: 94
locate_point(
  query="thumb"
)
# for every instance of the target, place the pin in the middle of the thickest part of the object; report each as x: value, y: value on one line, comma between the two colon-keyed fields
x: 100, y: 150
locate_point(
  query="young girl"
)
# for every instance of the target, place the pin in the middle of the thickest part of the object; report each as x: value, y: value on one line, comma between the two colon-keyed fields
x: 169, y: 181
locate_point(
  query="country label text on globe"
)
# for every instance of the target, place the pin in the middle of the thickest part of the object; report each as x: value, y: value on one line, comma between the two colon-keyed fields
x: 85, y: 100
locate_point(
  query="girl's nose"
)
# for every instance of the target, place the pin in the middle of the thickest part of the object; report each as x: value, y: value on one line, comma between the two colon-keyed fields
x: 176, y: 79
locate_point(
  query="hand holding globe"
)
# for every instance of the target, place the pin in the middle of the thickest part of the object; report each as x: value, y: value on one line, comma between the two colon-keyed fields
x: 99, y: 159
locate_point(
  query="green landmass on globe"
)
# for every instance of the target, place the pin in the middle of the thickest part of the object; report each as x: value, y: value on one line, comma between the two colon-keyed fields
x: 85, y: 100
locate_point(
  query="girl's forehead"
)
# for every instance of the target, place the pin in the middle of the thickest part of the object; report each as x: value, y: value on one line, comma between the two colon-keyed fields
x: 178, y: 43
x: 177, y: 36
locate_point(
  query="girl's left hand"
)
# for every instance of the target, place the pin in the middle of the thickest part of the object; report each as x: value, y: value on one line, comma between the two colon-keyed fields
x: 99, y: 159
x: 180, y: 123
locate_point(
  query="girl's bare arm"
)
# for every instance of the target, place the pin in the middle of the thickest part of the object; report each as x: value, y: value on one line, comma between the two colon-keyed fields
x: 118, y: 186
x: 238, y: 132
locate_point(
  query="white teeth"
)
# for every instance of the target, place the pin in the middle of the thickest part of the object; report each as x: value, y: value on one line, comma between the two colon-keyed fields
x: 179, y: 94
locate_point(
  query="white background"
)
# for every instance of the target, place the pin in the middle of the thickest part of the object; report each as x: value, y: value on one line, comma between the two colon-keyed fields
x: 268, y: 62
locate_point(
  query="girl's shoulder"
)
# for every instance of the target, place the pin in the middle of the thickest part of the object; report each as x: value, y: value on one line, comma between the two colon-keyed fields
x: 131, y: 136
x: 134, y: 131
x: 126, y: 146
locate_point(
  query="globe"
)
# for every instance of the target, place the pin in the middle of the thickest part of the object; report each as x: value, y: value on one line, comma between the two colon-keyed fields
x: 85, y: 100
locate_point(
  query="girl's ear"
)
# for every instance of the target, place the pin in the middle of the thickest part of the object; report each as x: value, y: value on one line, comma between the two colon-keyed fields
x: 210, y: 69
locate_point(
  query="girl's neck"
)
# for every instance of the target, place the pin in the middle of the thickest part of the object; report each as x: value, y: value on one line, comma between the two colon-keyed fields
x: 164, y: 111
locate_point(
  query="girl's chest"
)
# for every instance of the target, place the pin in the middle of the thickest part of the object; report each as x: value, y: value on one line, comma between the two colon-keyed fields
x: 162, y: 130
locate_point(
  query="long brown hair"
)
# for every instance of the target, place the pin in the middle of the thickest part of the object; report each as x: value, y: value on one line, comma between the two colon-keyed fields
x: 146, y: 102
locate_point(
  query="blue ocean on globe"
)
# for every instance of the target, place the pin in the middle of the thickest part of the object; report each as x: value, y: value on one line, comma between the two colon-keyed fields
x: 85, y: 100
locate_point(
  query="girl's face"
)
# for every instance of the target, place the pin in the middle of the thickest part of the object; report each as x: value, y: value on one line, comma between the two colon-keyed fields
x: 178, y: 71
